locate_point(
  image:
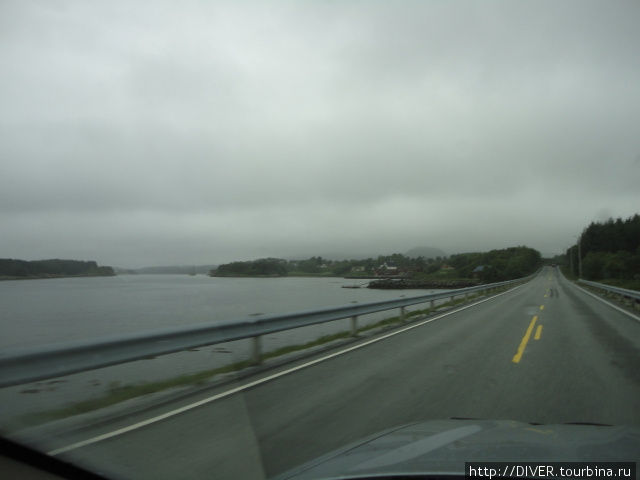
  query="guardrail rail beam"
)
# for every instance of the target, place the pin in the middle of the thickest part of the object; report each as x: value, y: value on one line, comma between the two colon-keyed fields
x: 28, y: 365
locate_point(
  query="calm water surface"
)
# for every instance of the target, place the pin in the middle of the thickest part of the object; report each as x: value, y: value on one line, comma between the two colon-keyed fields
x: 38, y: 312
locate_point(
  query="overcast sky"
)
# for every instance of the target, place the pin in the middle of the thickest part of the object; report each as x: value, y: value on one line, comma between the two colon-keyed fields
x: 156, y: 133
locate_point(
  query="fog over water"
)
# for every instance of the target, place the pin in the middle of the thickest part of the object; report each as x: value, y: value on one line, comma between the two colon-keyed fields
x: 136, y: 134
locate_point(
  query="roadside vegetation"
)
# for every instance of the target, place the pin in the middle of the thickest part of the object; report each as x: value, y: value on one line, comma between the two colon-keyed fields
x: 609, y: 252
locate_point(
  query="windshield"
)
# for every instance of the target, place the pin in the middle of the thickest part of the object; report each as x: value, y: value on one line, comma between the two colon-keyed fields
x: 238, y: 236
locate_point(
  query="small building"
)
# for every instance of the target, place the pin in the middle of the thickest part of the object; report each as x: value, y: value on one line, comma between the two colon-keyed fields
x: 389, y: 267
x: 477, y: 272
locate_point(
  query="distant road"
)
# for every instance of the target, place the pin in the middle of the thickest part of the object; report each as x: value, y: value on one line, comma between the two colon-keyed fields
x: 577, y: 361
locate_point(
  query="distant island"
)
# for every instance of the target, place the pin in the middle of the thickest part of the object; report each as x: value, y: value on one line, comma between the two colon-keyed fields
x: 398, y: 270
x: 12, y: 269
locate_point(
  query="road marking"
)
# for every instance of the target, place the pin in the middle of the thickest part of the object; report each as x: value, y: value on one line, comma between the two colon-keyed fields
x: 260, y: 381
x: 541, y: 307
x: 523, y: 344
x: 538, y: 333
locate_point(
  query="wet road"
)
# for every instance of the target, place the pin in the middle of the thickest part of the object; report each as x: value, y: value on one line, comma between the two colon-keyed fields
x: 545, y: 352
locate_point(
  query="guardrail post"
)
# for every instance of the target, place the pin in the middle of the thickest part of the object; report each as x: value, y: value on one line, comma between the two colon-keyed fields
x: 354, y: 326
x: 256, y: 350
x: 432, y: 303
x: 403, y: 316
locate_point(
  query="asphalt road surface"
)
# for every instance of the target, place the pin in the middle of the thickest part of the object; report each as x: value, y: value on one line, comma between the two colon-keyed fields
x: 545, y: 352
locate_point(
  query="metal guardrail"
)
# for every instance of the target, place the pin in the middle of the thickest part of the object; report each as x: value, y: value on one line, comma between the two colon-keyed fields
x: 634, y: 294
x: 54, y: 361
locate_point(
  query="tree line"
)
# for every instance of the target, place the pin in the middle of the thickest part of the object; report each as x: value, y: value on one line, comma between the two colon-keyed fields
x: 607, y: 250
x: 317, y: 265
x: 51, y: 268
x: 496, y: 265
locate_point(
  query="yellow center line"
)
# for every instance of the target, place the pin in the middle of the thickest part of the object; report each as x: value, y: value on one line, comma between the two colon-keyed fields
x: 541, y: 307
x: 538, y: 333
x: 525, y: 340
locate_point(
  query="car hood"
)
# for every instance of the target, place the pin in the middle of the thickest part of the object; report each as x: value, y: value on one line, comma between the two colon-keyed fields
x: 441, y: 447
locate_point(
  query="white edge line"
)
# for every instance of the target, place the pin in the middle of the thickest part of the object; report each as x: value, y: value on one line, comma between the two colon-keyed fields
x: 254, y: 383
x: 597, y: 297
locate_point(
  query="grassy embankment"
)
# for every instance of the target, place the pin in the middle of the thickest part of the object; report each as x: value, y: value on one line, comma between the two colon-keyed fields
x: 119, y: 393
x: 614, y: 282
x: 617, y: 282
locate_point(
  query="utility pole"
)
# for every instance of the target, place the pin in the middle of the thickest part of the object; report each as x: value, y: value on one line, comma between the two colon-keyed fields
x: 580, y: 257
x: 571, y: 260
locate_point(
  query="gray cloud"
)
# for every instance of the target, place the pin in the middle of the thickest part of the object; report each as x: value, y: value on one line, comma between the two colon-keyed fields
x: 204, y: 133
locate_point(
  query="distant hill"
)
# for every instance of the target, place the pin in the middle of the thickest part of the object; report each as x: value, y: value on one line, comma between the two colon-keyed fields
x: 426, y: 252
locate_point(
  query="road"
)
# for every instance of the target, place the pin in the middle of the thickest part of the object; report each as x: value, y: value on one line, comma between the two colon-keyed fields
x: 581, y: 365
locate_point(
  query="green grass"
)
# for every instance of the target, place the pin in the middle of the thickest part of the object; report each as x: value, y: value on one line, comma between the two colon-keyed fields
x: 617, y: 282
x: 314, y: 343
x: 614, y: 282
x: 567, y: 272
x: 119, y: 393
